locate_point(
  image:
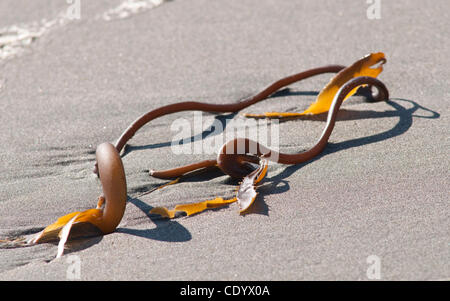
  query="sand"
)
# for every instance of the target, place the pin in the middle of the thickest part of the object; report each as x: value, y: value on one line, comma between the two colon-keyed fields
x: 380, y: 188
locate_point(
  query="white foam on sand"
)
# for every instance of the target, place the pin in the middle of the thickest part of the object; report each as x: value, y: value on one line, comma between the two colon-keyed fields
x: 130, y: 7
x: 14, y: 39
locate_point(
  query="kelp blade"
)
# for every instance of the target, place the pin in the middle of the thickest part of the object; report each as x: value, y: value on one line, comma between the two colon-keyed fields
x: 245, y: 196
x: 362, y: 67
x: 193, y: 208
x: 51, y: 232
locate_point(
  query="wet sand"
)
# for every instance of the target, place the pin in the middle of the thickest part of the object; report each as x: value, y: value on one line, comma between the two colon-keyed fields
x: 380, y: 187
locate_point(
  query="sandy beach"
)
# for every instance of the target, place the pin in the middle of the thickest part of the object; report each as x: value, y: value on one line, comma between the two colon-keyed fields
x: 72, y: 79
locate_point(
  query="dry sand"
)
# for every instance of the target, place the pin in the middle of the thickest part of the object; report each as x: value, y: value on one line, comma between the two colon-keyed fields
x: 380, y: 188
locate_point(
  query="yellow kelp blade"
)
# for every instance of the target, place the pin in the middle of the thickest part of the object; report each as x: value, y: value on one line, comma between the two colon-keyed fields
x: 263, y: 171
x: 245, y: 196
x: 13, y: 242
x: 51, y: 232
x: 193, y: 208
x: 362, y: 67
x: 164, y: 212
x: 246, y: 193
